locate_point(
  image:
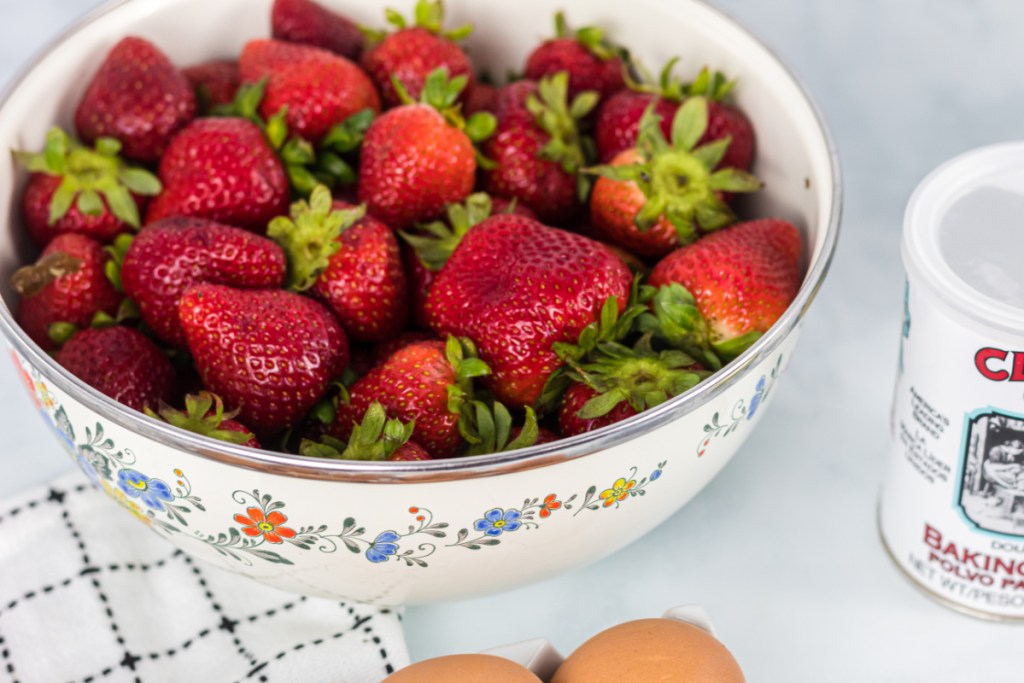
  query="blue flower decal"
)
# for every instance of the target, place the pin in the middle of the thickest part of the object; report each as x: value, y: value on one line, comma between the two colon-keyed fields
x: 62, y: 428
x: 756, y: 400
x: 152, y: 492
x: 498, y: 521
x: 87, y: 467
x: 655, y: 475
x: 384, y: 546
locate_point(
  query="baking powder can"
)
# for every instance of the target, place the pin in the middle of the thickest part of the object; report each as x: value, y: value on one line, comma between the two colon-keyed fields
x: 952, y: 507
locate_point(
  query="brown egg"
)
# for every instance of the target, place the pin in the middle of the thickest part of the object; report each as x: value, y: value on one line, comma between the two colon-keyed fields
x: 464, y: 669
x: 650, y: 651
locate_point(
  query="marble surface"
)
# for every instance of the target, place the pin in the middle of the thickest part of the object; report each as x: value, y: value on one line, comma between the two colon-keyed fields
x: 782, y: 548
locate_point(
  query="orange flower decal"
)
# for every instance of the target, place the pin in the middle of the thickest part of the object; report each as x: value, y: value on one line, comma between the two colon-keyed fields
x: 268, y: 526
x: 550, y: 504
x: 618, y: 492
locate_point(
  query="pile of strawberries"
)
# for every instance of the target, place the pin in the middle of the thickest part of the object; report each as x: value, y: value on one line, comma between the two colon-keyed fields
x: 346, y: 243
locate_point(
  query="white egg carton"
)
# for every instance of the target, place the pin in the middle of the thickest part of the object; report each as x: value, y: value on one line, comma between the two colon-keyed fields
x: 540, y: 656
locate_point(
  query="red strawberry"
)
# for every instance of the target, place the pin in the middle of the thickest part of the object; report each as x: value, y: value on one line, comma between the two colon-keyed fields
x: 122, y: 363
x: 592, y: 62
x: 204, y: 414
x: 215, y: 83
x: 480, y: 97
x: 386, y: 349
x: 416, y: 159
x: 349, y: 261
x: 742, y: 278
x: 67, y: 285
x: 269, y: 353
x: 309, y: 23
x: 658, y: 195
x: 137, y: 97
x: 171, y: 255
x: 319, y: 88
x: 516, y: 287
x: 537, y: 148
x: 413, y: 386
x: 221, y: 169
x: 412, y: 53
x: 618, y: 120
x: 410, y: 451
x: 578, y: 395
x: 78, y: 190
x: 420, y: 278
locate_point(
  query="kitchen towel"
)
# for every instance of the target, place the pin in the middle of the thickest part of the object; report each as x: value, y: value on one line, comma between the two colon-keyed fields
x: 89, y: 595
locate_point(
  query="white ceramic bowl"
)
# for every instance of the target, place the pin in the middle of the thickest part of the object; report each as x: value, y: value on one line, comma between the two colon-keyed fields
x: 417, y: 532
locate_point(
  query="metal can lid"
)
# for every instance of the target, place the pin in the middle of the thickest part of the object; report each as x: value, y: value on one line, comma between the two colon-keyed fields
x: 963, y: 235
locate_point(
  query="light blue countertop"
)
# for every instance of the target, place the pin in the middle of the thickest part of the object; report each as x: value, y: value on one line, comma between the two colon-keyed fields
x: 782, y: 548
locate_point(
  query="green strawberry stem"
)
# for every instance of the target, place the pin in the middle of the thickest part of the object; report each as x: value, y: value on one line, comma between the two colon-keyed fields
x: 428, y: 14
x: 90, y: 178
x: 560, y: 119
x: 712, y: 85
x: 309, y: 237
x: 488, y: 428
x: 678, y: 179
x: 118, y: 250
x: 32, y: 279
x: 590, y: 37
x: 461, y: 354
x: 375, y: 438
x: 640, y: 375
x: 439, y: 240
x: 204, y: 414
x: 60, y: 332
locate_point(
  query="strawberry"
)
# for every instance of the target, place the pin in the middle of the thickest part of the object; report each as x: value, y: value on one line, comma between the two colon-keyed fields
x: 741, y: 278
x: 374, y: 437
x: 618, y: 119
x: 74, y: 189
x: 137, y: 97
x: 215, y: 83
x: 309, y: 23
x: 543, y: 435
x: 169, y: 256
x: 660, y: 195
x: 66, y: 285
x: 319, y: 88
x: 412, y: 53
x: 269, y: 353
x: 591, y: 62
x: 537, y: 148
x: 386, y: 349
x: 418, y: 158
x: 480, y: 97
x: 429, y: 246
x: 516, y: 287
x: 572, y: 419
x: 204, y: 414
x: 122, y: 363
x: 349, y: 261
x: 424, y: 383
x: 221, y: 169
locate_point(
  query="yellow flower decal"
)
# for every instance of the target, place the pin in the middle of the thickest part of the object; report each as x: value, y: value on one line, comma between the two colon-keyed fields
x: 129, y: 505
x: 618, y: 492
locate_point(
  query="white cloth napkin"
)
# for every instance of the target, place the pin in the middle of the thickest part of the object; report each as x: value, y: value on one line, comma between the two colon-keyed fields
x: 89, y: 595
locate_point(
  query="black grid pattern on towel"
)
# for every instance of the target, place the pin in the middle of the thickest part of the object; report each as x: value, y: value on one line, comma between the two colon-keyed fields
x: 101, y: 579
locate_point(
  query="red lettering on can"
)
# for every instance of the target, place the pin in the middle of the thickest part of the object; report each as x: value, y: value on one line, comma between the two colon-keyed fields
x: 981, y: 359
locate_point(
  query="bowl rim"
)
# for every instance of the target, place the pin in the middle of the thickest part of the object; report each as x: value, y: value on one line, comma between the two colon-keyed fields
x: 384, y: 472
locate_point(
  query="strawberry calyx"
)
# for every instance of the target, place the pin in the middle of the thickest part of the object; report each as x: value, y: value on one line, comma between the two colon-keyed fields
x: 712, y: 85
x: 330, y: 163
x: 488, y: 428
x: 117, y: 250
x: 309, y: 235
x: 590, y: 37
x: 678, y: 178
x: 428, y: 15
x: 442, y: 93
x: 438, y: 239
x: 461, y: 354
x: 675, y: 319
x: 204, y: 414
x: 92, y: 180
x: 376, y: 437
x: 560, y: 119
x: 640, y: 375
